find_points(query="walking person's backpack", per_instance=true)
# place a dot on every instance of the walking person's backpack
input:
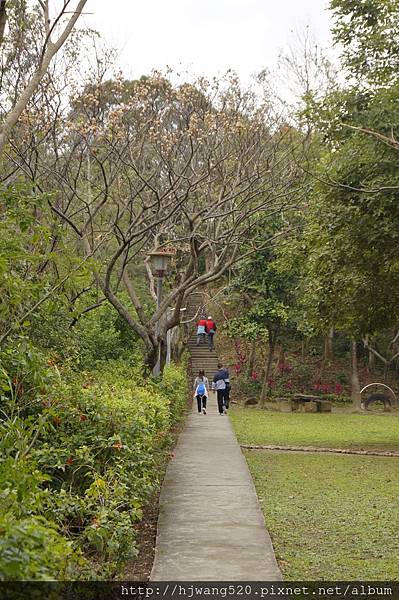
(201, 389)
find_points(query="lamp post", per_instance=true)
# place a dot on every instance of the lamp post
(160, 261)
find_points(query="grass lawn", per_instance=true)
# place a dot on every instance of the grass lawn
(334, 430)
(331, 517)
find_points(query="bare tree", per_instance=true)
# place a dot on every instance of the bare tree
(305, 74)
(47, 49)
(140, 165)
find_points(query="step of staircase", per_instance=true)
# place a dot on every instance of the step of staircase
(200, 356)
(202, 364)
(201, 348)
(209, 373)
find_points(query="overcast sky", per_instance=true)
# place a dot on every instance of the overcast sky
(205, 36)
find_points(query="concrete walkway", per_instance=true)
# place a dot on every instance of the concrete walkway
(210, 524)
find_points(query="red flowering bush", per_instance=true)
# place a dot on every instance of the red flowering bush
(284, 367)
(241, 357)
(338, 389)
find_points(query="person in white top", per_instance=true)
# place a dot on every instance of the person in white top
(201, 390)
(221, 385)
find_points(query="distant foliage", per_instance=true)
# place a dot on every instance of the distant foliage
(368, 33)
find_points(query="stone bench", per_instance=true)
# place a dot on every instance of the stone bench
(304, 403)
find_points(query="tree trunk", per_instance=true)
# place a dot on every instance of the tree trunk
(162, 353)
(305, 347)
(371, 362)
(3, 20)
(328, 345)
(251, 359)
(370, 357)
(387, 367)
(177, 345)
(355, 385)
(281, 357)
(268, 370)
(208, 261)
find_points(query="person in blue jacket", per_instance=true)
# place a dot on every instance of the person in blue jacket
(221, 385)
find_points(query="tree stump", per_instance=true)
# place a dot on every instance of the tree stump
(250, 402)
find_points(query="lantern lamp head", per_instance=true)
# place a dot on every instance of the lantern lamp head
(160, 260)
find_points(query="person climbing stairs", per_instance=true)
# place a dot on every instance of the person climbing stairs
(200, 356)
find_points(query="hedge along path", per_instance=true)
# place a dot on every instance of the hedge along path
(319, 449)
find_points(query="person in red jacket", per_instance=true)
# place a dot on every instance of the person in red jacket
(210, 330)
(201, 330)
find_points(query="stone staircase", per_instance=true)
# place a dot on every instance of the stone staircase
(201, 357)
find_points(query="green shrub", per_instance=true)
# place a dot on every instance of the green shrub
(99, 335)
(247, 387)
(30, 545)
(174, 386)
(303, 374)
(88, 461)
(31, 548)
(342, 377)
(339, 398)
